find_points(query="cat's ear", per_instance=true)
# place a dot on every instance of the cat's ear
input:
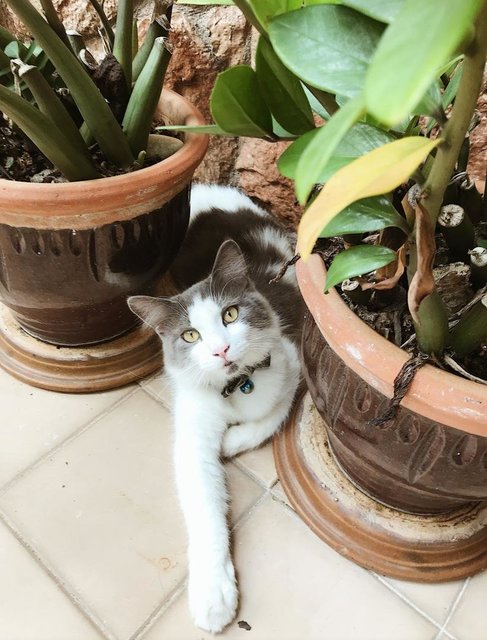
(156, 312)
(229, 267)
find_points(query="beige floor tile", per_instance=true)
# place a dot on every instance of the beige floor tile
(469, 620)
(433, 599)
(279, 494)
(259, 464)
(32, 607)
(103, 513)
(295, 588)
(33, 421)
(159, 388)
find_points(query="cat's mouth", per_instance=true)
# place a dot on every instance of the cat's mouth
(230, 366)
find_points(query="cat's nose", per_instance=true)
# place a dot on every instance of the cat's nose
(222, 351)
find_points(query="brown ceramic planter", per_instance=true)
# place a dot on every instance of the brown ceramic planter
(433, 457)
(71, 254)
(408, 499)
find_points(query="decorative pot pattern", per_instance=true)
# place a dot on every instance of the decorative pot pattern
(69, 286)
(411, 463)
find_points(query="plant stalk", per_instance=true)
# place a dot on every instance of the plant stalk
(91, 104)
(458, 231)
(104, 20)
(75, 166)
(122, 47)
(54, 21)
(432, 329)
(458, 124)
(158, 28)
(140, 110)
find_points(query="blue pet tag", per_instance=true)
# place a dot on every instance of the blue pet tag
(247, 387)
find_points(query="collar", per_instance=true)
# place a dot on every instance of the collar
(243, 377)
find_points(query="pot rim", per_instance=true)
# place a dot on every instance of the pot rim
(436, 394)
(83, 204)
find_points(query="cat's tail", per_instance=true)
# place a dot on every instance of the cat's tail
(205, 197)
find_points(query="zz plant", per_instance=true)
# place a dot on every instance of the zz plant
(395, 83)
(54, 91)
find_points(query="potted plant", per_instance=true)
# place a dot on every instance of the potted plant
(93, 201)
(403, 231)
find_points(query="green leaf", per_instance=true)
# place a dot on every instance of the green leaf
(361, 139)
(451, 89)
(327, 46)
(265, 10)
(369, 214)
(282, 91)
(318, 152)
(357, 261)
(423, 36)
(378, 172)
(430, 103)
(237, 104)
(382, 10)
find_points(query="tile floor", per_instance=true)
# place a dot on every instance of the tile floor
(92, 543)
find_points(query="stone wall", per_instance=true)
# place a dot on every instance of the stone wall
(206, 40)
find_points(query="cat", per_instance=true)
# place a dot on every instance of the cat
(230, 342)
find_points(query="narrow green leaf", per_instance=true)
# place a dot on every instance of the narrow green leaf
(158, 28)
(423, 36)
(54, 20)
(282, 91)
(55, 146)
(5, 37)
(369, 214)
(320, 149)
(450, 92)
(430, 103)
(104, 20)
(238, 106)
(92, 105)
(357, 261)
(327, 46)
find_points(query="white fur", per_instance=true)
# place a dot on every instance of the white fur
(209, 196)
(202, 433)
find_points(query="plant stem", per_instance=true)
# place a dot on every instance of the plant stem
(54, 21)
(471, 330)
(122, 47)
(246, 9)
(91, 104)
(104, 20)
(158, 28)
(74, 165)
(458, 124)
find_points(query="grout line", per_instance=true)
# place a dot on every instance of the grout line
(180, 588)
(154, 396)
(60, 445)
(252, 475)
(161, 609)
(72, 596)
(452, 610)
(406, 600)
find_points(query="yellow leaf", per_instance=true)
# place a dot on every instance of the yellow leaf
(378, 172)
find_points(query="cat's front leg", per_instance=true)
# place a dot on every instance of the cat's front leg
(200, 475)
(250, 435)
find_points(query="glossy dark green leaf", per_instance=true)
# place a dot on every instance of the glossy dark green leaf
(356, 261)
(282, 91)
(327, 46)
(369, 214)
(320, 149)
(430, 103)
(237, 104)
(361, 139)
(423, 37)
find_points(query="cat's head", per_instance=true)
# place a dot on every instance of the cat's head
(214, 330)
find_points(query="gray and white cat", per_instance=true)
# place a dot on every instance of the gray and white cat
(230, 342)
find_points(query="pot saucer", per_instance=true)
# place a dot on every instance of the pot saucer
(99, 367)
(435, 548)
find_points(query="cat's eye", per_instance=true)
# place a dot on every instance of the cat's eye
(190, 335)
(230, 315)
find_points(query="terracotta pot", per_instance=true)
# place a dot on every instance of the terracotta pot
(71, 253)
(432, 457)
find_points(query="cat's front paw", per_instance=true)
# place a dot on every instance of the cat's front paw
(235, 441)
(213, 597)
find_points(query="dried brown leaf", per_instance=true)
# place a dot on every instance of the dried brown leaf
(422, 283)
